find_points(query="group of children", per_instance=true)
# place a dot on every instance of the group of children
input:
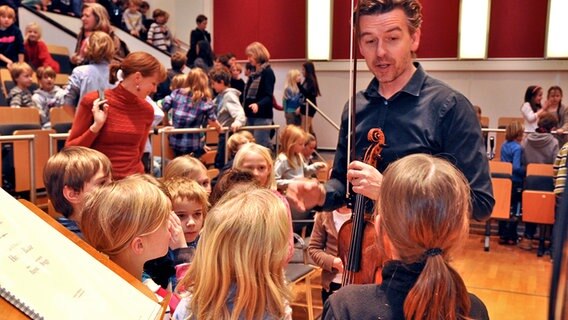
(536, 146)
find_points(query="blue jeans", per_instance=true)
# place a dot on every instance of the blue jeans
(262, 137)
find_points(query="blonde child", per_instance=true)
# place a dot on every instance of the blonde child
(290, 164)
(236, 81)
(190, 106)
(68, 176)
(48, 95)
(190, 205)
(232, 276)
(159, 34)
(178, 81)
(323, 248)
(292, 99)
(133, 18)
(423, 216)
(190, 168)
(20, 95)
(12, 44)
(36, 50)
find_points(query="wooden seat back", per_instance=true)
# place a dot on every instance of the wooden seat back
(22, 156)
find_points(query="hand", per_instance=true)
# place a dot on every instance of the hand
(305, 194)
(177, 238)
(9, 64)
(297, 111)
(320, 165)
(206, 148)
(235, 127)
(337, 264)
(99, 115)
(254, 107)
(365, 179)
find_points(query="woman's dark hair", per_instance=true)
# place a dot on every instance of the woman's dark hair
(311, 74)
(529, 95)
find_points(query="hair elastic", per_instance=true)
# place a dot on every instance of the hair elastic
(433, 252)
(120, 75)
(535, 89)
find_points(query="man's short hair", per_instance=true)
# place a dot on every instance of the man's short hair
(412, 9)
(72, 167)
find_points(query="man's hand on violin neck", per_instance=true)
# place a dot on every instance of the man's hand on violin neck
(365, 179)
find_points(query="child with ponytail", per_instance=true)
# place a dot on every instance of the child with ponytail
(423, 211)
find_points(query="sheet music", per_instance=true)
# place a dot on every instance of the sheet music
(58, 279)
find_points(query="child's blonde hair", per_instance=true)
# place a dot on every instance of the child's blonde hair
(237, 139)
(117, 213)
(7, 11)
(229, 255)
(514, 130)
(185, 166)
(249, 148)
(32, 26)
(178, 81)
(198, 83)
(100, 47)
(291, 136)
(18, 68)
(424, 208)
(180, 188)
(45, 71)
(72, 167)
(291, 82)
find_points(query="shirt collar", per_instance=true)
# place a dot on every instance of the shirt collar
(412, 87)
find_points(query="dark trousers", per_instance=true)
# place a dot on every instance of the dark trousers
(332, 288)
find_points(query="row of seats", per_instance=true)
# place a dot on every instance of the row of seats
(538, 199)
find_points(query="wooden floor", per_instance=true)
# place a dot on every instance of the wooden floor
(513, 283)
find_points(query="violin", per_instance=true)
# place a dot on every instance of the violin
(357, 239)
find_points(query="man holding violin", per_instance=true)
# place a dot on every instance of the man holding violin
(417, 113)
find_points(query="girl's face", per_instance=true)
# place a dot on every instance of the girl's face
(205, 182)
(298, 146)
(554, 97)
(190, 214)
(89, 20)
(32, 35)
(303, 71)
(235, 73)
(256, 164)
(537, 97)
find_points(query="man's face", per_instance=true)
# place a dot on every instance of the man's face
(387, 45)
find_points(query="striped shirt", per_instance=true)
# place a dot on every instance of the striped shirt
(560, 170)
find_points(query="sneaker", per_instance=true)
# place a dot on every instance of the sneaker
(526, 244)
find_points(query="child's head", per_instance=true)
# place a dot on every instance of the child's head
(201, 22)
(310, 146)
(230, 254)
(33, 32)
(237, 140)
(221, 79)
(236, 70)
(293, 139)
(533, 95)
(160, 16)
(70, 174)
(46, 77)
(554, 95)
(188, 167)
(178, 61)
(99, 48)
(178, 81)
(7, 16)
(144, 7)
(514, 131)
(547, 122)
(292, 79)
(228, 180)
(22, 74)
(257, 159)
(198, 83)
(423, 212)
(189, 202)
(127, 220)
(133, 5)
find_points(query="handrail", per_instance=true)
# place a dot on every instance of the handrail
(53, 137)
(526, 131)
(31, 139)
(328, 119)
(169, 130)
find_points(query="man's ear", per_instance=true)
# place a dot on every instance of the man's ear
(137, 245)
(74, 197)
(415, 40)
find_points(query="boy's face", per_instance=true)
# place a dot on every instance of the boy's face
(33, 35)
(202, 25)
(161, 20)
(6, 21)
(47, 83)
(99, 179)
(190, 213)
(218, 86)
(24, 80)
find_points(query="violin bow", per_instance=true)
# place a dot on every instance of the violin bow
(351, 122)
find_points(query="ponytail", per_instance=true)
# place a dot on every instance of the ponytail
(438, 288)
